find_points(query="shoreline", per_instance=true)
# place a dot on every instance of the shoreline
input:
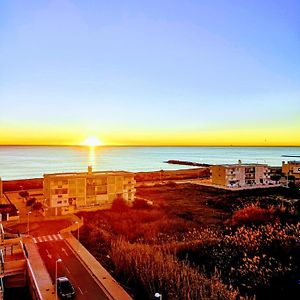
(159, 175)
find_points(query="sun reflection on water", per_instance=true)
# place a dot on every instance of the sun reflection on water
(92, 157)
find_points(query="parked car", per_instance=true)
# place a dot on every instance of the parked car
(64, 288)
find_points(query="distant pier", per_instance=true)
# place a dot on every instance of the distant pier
(187, 163)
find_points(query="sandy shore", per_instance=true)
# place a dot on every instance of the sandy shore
(161, 175)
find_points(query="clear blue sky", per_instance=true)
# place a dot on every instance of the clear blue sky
(150, 72)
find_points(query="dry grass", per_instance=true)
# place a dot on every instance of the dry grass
(162, 249)
(158, 271)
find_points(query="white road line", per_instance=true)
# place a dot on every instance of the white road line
(50, 238)
(44, 238)
(60, 237)
(64, 250)
(55, 237)
(68, 270)
(40, 239)
(34, 240)
(80, 290)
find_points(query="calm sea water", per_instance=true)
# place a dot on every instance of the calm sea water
(18, 162)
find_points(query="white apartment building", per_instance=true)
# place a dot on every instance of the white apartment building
(67, 192)
(240, 175)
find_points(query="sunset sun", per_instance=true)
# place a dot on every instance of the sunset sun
(92, 141)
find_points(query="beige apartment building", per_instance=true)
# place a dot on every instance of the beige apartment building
(240, 175)
(67, 192)
(291, 168)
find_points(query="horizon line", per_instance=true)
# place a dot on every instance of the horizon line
(108, 145)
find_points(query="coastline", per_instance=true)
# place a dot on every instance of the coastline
(160, 175)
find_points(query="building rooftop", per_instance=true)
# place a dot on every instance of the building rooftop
(243, 165)
(67, 174)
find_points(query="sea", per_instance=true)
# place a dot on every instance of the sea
(21, 162)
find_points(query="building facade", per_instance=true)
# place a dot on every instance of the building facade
(1, 190)
(240, 175)
(66, 192)
(291, 168)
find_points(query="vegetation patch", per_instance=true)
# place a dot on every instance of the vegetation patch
(200, 243)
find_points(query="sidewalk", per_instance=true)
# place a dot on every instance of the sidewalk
(108, 284)
(40, 272)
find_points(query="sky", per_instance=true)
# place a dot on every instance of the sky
(150, 72)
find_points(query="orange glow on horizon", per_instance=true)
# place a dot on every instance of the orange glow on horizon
(275, 136)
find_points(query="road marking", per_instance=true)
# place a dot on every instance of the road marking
(80, 290)
(64, 250)
(47, 238)
(68, 270)
(48, 254)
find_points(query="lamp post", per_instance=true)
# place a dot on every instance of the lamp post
(158, 295)
(77, 223)
(28, 221)
(57, 261)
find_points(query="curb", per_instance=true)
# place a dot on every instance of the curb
(116, 292)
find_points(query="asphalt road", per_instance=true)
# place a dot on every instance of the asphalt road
(81, 279)
(51, 250)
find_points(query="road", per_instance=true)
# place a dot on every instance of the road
(52, 246)
(82, 280)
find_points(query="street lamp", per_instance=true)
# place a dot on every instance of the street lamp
(28, 221)
(57, 261)
(77, 223)
(158, 295)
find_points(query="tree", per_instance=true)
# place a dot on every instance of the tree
(37, 205)
(24, 194)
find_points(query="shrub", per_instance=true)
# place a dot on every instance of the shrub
(171, 184)
(30, 201)
(140, 204)
(154, 270)
(252, 215)
(37, 205)
(119, 204)
(253, 258)
(24, 194)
